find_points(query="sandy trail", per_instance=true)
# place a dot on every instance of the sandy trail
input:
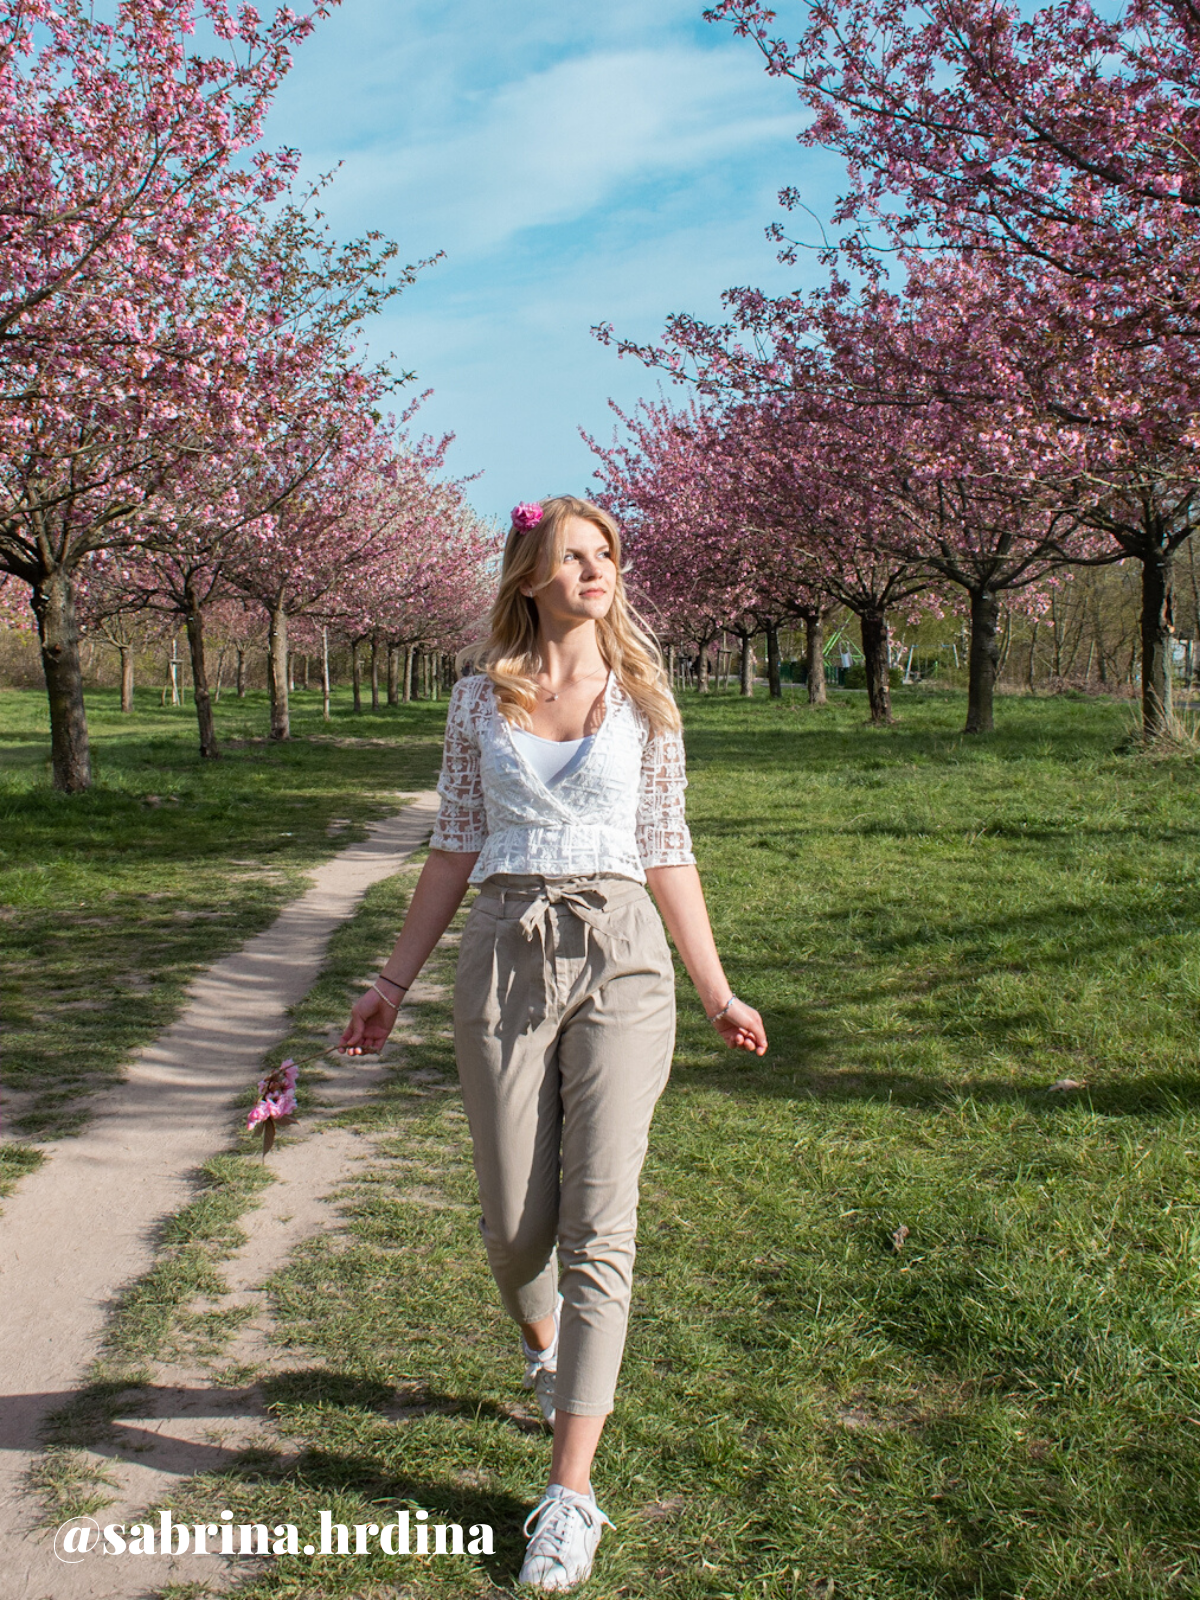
(83, 1226)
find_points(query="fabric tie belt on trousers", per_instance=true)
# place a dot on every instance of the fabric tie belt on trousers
(577, 895)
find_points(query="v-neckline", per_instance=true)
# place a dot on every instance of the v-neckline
(551, 793)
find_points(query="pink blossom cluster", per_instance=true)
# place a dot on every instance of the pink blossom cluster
(277, 1095)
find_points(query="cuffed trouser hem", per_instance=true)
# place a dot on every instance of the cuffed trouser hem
(580, 1408)
(533, 1316)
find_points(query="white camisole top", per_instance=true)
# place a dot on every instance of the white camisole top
(551, 759)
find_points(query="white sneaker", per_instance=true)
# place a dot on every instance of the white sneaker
(541, 1368)
(563, 1542)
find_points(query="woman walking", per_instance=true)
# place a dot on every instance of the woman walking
(562, 798)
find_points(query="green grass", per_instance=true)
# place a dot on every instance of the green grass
(111, 900)
(1006, 1407)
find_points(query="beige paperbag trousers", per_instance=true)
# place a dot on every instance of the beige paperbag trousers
(564, 1026)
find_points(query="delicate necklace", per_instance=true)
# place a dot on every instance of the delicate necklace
(571, 682)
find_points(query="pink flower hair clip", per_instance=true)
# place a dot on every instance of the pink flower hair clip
(525, 516)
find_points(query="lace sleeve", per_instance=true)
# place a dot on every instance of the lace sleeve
(663, 839)
(461, 823)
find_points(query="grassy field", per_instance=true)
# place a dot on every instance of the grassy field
(110, 901)
(1002, 1403)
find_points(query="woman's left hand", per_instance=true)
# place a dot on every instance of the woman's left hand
(742, 1028)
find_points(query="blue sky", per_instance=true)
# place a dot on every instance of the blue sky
(578, 162)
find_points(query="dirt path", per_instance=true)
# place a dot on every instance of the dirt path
(82, 1226)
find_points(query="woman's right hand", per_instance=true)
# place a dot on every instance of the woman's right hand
(371, 1020)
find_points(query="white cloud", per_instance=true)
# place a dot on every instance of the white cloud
(550, 148)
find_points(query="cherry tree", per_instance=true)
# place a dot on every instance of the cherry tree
(703, 557)
(241, 626)
(306, 393)
(1061, 150)
(124, 183)
(115, 610)
(429, 588)
(913, 428)
(337, 535)
(1065, 136)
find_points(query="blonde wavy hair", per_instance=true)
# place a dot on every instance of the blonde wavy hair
(510, 654)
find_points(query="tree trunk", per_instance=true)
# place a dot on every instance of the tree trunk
(393, 686)
(814, 651)
(416, 672)
(325, 673)
(220, 674)
(1098, 633)
(875, 659)
(1158, 628)
(746, 667)
(1057, 636)
(982, 662)
(1006, 645)
(702, 668)
(277, 673)
(774, 672)
(58, 632)
(406, 676)
(374, 672)
(356, 675)
(200, 695)
(126, 676)
(241, 672)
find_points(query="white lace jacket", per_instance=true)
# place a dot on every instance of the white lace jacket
(620, 810)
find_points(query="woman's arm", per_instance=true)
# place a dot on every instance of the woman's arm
(680, 898)
(437, 896)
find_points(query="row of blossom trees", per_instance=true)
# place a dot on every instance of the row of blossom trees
(183, 414)
(1002, 375)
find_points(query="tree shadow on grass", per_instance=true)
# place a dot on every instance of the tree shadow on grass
(763, 747)
(1147, 1095)
(796, 1068)
(796, 839)
(186, 1446)
(363, 1471)
(384, 1494)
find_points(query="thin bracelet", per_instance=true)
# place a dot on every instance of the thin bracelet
(403, 987)
(394, 1004)
(717, 1015)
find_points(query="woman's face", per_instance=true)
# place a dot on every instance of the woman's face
(584, 585)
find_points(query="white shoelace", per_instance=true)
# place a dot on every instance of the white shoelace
(555, 1525)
